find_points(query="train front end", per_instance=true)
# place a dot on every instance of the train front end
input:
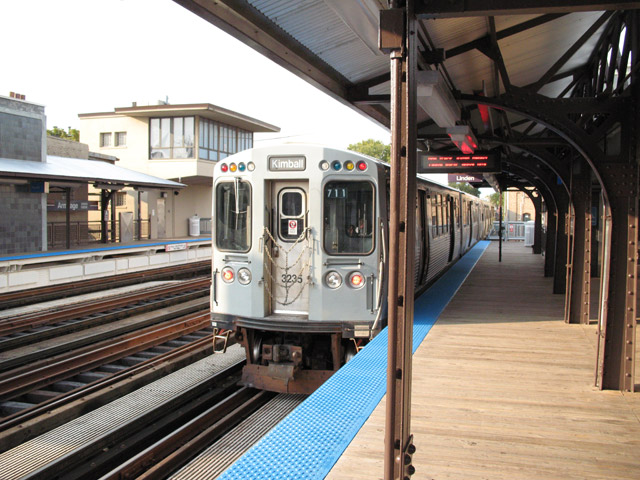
(298, 260)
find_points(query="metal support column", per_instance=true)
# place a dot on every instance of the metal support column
(550, 244)
(619, 326)
(67, 192)
(500, 228)
(139, 227)
(562, 252)
(104, 209)
(113, 216)
(580, 284)
(537, 232)
(398, 37)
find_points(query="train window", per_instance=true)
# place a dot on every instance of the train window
(434, 216)
(292, 213)
(348, 218)
(233, 216)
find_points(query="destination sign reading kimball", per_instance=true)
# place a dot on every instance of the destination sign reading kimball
(287, 164)
(480, 162)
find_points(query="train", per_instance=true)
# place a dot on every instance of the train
(300, 242)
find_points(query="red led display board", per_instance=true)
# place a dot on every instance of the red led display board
(480, 162)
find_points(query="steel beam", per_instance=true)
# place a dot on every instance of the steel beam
(398, 439)
(578, 294)
(483, 8)
(617, 328)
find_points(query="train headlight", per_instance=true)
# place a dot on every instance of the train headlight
(244, 276)
(324, 165)
(228, 275)
(251, 166)
(356, 279)
(333, 279)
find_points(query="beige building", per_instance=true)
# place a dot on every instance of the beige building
(175, 142)
(518, 207)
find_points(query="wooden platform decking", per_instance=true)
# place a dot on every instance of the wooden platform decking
(503, 389)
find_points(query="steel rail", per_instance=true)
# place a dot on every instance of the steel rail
(40, 294)
(95, 335)
(28, 378)
(26, 424)
(177, 448)
(98, 455)
(35, 319)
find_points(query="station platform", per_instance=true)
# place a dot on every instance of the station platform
(502, 389)
(39, 269)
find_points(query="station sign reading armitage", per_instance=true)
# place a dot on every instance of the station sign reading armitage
(287, 164)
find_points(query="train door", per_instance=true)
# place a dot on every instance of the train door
(453, 226)
(289, 251)
(471, 232)
(425, 209)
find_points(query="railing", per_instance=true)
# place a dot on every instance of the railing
(510, 231)
(205, 226)
(87, 233)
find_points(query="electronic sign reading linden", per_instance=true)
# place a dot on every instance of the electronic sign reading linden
(480, 162)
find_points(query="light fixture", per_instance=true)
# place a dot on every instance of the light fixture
(463, 138)
(362, 17)
(435, 98)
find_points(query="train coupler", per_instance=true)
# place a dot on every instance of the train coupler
(223, 336)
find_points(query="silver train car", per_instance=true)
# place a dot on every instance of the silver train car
(300, 239)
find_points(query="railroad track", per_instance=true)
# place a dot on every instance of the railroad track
(54, 292)
(56, 410)
(85, 365)
(95, 443)
(36, 326)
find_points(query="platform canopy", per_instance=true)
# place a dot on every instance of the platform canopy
(537, 48)
(104, 175)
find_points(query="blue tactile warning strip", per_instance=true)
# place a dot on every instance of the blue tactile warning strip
(308, 442)
(58, 253)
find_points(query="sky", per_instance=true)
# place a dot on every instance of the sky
(87, 56)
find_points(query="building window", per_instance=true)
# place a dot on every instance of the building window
(171, 137)
(217, 140)
(120, 139)
(121, 199)
(105, 139)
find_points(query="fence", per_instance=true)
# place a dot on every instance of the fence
(510, 231)
(87, 233)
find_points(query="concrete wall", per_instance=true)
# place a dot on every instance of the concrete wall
(22, 213)
(59, 147)
(22, 130)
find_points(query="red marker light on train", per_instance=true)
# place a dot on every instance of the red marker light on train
(356, 279)
(362, 166)
(224, 167)
(228, 274)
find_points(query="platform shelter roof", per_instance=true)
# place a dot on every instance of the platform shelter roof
(74, 170)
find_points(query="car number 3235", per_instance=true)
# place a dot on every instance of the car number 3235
(287, 278)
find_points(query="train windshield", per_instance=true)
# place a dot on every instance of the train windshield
(348, 217)
(233, 216)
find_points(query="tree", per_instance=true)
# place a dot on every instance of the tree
(465, 187)
(73, 133)
(373, 148)
(494, 198)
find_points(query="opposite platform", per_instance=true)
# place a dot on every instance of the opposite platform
(503, 389)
